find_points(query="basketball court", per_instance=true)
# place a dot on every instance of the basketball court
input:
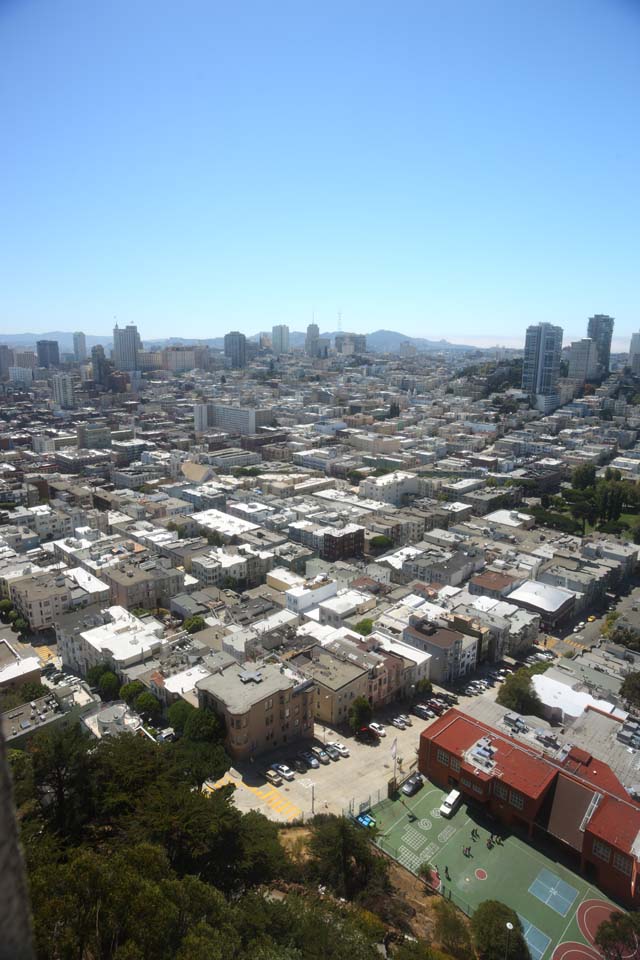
(559, 910)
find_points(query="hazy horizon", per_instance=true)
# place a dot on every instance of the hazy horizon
(618, 344)
(450, 170)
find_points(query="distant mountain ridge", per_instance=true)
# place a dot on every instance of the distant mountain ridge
(380, 341)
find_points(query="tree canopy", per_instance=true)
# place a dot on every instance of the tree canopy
(492, 938)
(517, 693)
(360, 713)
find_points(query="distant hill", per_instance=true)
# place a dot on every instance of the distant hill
(380, 341)
(64, 338)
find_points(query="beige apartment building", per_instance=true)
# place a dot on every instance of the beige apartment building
(338, 682)
(149, 583)
(263, 705)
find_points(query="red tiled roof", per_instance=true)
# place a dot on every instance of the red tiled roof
(523, 768)
(617, 822)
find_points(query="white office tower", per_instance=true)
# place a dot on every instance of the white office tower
(62, 385)
(280, 339)
(80, 346)
(541, 366)
(312, 340)
(583, 359)
(126, 346)
(201, 417)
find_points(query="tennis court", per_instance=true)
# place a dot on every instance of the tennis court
(553, 891)
(537, 941)
(473, 859)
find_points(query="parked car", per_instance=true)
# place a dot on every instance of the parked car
(450, 803)
(299, 765)
(309, 759)
(400, 724)
(422, 711)
(340, 747)
(331, 752)
(320, 755)
(406, 719)
(367, 735)
(274, 778)
(378, 728)
(285, 772)
(366, 820)
(413, 784)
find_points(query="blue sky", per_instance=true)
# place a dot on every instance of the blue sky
(458, 168)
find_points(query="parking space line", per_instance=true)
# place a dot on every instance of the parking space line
(268, 794)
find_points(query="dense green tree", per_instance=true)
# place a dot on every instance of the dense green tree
(203, 725)
(5, 608)
(583, 511)
(424, 688)
(25, 693)
(94, 673)
(109, 686)
(619, 936)
(20, 625)
(129, 692)
(630, 689)
(584, 476)
(61, 770)
(178, 714)
(148, 706)
(380, 543)
(364, 627)
(492, 939)
(360, 713)
(341, 856)
(199, 760)
(194, 624)
(517, 693)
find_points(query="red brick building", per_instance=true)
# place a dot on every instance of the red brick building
(575, 799)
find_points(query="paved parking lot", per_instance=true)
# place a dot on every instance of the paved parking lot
(344, 784)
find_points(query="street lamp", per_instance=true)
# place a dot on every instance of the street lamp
(509, 927)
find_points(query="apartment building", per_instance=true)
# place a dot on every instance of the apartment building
(453, 655)
(263, 705)
(148, 583)
(337, 681)
(43, 597)
(113, 636)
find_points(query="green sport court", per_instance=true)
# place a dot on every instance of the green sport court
(559, 911)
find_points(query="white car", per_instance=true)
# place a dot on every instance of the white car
(378, 728)
(283, 770)
(399, 723)
(405, 719)
(340, 747)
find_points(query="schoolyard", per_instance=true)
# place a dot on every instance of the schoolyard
(559, 910)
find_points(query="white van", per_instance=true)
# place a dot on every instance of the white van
(450, 804)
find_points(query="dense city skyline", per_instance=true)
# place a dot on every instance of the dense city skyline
(461, 172)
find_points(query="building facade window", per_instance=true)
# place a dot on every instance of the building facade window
(601, 850)
(455, 764)
(442, 757)
(500, 791)
(465, 782)
(622, 863)
(516, 800)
